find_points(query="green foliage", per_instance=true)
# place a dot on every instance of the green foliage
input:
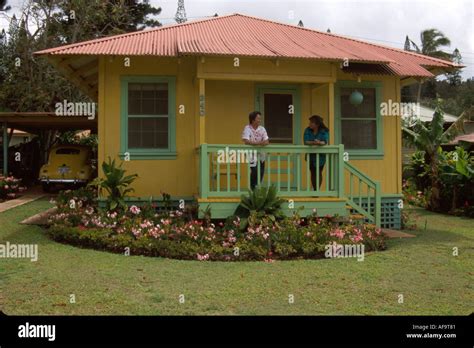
(261, 202)
(428, 138)
(116, 185)
(85, 195)
(30, 83)
(172, 237)
(419, 170)
(456, 181)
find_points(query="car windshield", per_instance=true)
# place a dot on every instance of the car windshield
(67, 151)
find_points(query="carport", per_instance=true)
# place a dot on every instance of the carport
(37, 122)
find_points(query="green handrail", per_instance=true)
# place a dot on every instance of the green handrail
(286, 167)
(355, 200)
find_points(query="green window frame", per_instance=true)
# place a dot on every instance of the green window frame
(147, 153)
(360, 153)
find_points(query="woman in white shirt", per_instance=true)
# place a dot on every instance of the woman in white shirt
(254, 134)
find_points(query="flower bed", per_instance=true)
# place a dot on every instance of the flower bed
(175, 234)
(10, 187)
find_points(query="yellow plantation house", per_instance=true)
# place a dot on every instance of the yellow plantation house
(171, 99)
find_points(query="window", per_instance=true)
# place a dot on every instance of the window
(148, 117)
(359, 127)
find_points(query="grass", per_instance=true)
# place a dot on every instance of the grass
(422, 269)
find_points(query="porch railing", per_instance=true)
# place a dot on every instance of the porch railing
(225, 170)
(363, 194)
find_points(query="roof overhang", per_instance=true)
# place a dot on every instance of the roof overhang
(82, 70)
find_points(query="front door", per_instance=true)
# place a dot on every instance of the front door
(281, 118)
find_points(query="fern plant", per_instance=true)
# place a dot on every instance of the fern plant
(115, 183)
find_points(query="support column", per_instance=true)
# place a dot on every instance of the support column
(202, 111)
(331, 116)
(5, 149)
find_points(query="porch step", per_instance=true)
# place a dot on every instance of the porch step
(357, 217)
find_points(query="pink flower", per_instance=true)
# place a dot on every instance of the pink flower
(204, 257)
(135, 210)
(338, 233)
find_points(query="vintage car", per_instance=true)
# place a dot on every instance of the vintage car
(68, 165)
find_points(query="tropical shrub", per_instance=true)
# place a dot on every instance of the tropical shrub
(456, 182)
(262, 202)
(428, 138)
(115, 184)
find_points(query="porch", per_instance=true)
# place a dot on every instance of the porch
(224, 175)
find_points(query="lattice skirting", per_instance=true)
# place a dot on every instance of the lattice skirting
(391, 213)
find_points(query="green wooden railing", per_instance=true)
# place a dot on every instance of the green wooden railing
(360, 187)
(225, 170)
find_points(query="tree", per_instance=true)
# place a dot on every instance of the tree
(432, 40)
(30, 83)
(79, 20)
(454, 77)
(180, 16)
(428, 138)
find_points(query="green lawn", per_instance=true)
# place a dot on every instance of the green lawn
(423, 269)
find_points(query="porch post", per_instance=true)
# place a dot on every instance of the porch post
(331, 112)
(202, 111)
(5, 149)
(340, 172)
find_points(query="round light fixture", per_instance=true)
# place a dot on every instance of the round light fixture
(356, 98)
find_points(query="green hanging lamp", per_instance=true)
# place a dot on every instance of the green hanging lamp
(356, 98)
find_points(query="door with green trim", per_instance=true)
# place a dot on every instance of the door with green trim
(280, 108)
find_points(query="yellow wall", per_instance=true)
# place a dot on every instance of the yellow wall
(228, 103)
(177, 177)
(388, 169)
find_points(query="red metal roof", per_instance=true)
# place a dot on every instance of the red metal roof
(242, 35)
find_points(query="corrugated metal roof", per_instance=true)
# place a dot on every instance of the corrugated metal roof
(241, 35)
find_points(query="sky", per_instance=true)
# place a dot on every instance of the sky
(385, 22)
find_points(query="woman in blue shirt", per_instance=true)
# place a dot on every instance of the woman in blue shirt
(316, 134)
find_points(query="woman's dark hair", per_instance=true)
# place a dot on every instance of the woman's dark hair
(253, 115)
(318, 120)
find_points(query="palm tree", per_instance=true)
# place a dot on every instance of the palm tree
(4, 7)
(428, 138)
(431, 42)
